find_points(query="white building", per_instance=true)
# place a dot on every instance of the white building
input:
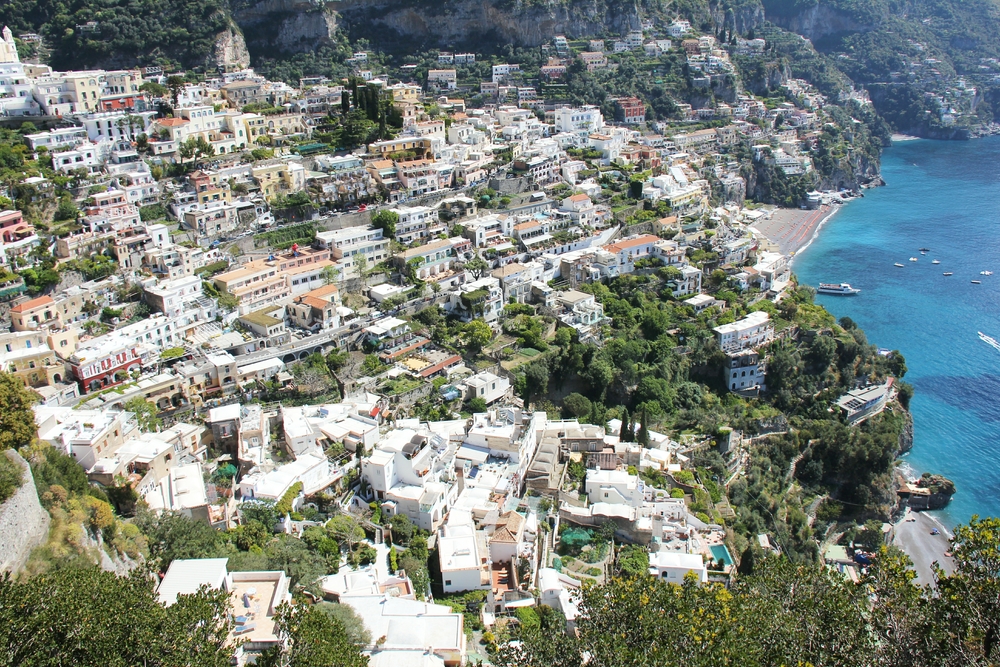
(487, 386)
(408, 474)
(614, 487)
(673, 566)
(464, 557)
(751, 332)
(582, 120)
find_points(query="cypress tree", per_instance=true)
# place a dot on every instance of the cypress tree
(642, 433)
(623, 432)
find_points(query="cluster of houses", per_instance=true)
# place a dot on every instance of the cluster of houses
(214, 327)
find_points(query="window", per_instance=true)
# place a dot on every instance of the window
(447, 582)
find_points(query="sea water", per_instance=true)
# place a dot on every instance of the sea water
(944, 196)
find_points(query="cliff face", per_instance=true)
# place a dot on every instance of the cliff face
(742, 19)
(819, 21)
(286, 26)
(230, 51)
(302, 25)
(24, 523)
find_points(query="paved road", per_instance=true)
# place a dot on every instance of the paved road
(914, 537)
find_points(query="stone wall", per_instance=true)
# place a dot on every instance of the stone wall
(24, 523)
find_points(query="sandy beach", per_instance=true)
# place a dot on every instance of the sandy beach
(913, 536)
(794, 229)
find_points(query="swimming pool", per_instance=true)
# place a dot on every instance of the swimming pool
(721, 554)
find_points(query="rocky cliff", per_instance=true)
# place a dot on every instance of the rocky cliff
(24, 523)
(285, 26)
(823, 19)
(303, 25)
(231, 51)
(742, 19)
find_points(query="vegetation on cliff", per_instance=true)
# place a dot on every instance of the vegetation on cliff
(122, 33)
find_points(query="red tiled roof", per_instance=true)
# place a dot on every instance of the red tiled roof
(32, 304)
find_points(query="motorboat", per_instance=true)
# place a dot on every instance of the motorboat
(989, 340)
(898, 264)
(948, 273)
(841, 289)
(977, 282)
(986, 273)
(913, 259)
(936, 261)
(925, 250)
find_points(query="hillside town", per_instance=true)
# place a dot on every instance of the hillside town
(221, 309)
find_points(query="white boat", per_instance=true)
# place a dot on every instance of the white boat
(936, 261)
(989, 340)
(842, 289)
(977, 282)
(948, 273)
(898, 264)
(913, 259)
(986, 273)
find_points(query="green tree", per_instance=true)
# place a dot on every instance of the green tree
(66, 210)
(329, 274)
(536, 379)
(145, 413)
(478, 334)
(261, 511)
(626, 433)
(85, 616)
(172, 535)
(477, 267)
(642, 434)
(314, 638)
(974, 590)
(386, 220)
(577, 405)
(17, 419)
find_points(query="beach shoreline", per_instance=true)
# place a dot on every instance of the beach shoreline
(903, 137)
(834, 209)
(794, 230)
(913, 535)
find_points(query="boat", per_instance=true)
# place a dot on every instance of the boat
(925, 250)
(948, 273)
(989, 340)
(986, 273)
(977, 282)
(913, 259)
(898, 264)
(936, 261)
(842, 289)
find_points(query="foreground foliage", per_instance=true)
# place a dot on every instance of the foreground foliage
(786, 614)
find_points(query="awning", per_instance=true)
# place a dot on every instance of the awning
(526, 602)
(474, 454)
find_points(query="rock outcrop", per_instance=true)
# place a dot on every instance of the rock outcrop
(819, 21)
(24, 523)
(231, 51)
(271, 27)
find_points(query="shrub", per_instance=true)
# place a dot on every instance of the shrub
(284, 506)
(10, 478)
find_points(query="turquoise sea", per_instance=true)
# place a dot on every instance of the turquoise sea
(944, 196)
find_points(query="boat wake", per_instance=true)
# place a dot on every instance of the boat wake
(989, 340)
